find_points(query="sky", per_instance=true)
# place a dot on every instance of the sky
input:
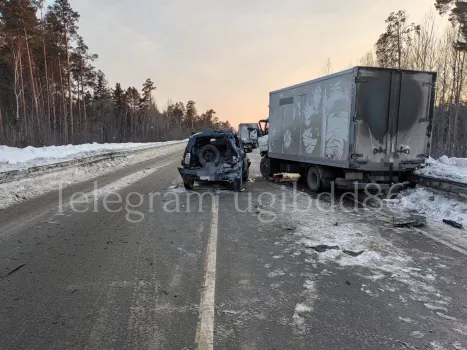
(228, 55)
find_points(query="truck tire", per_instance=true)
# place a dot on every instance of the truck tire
(268, 167)
(208, 154)
(265, 167)
(313, 179)
(189, 184)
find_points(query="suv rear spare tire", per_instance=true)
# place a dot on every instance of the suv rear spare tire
(209, 154)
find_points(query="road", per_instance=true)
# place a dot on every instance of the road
(147, 265)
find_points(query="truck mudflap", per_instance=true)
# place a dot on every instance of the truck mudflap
(219, 173)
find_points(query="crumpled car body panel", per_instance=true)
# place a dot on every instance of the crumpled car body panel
(226, 170)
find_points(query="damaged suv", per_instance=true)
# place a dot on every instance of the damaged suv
(215, 156)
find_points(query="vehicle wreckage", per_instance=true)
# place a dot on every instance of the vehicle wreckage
(215, 156)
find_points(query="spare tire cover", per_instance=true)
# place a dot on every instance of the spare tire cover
(209, 154)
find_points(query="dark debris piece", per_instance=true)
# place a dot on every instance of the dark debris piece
(453, 224)
(322, 248)
(12, 271)
(354, 254)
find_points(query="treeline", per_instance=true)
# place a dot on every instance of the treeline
(51, 92)
(423, 46)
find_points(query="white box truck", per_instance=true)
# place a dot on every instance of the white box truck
(363, 125)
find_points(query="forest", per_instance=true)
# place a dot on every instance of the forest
(51, 93)
(424, 46)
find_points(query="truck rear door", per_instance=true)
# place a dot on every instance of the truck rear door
(392, 117)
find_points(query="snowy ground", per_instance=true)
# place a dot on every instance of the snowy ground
(12, 158)
(31, 187)
(435, 205)
(454, 169)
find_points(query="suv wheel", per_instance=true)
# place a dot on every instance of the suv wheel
(189, 184)
(246, 174)
(237, 185)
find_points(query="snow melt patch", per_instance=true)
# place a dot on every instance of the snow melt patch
(447, 168)
(380, 261)
(302, 308)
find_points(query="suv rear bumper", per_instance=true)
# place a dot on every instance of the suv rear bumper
(219, 174)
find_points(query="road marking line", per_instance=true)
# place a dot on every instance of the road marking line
(205, 331)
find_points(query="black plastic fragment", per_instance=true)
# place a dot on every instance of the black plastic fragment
(322, 248)
(354, 254)
(453, 224)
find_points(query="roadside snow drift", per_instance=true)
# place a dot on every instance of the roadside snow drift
(38, 184)
(435, 206)
(12, 158)
(454, 169)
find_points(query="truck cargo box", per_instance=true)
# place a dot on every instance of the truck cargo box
(366, 118)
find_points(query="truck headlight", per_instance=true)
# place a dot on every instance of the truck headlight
(187, 158)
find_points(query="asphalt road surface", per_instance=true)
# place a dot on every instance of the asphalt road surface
(148, 265)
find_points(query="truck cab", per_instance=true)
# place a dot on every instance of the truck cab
(263, 136)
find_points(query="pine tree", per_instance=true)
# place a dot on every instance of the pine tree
(391, 47)
(66, 24)
(191, 114)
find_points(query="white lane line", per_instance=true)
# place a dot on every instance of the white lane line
(114, 186)
(205, 330)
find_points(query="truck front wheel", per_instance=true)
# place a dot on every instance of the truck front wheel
(265, 167)
(268, 166)
(313, 179)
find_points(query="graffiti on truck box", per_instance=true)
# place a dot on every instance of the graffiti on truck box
(316, 120)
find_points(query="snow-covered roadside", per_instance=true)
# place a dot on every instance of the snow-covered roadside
(17, 191)
(12, 158)
(434, 205)
(454, 169)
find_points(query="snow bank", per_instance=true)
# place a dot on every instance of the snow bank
(24, 189)
(435, 206)
(448, 168)
(12, 158)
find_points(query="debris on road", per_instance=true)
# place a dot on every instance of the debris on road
(285, 177)
(352, 253)
(287, 227)
(453, 224)
(414, 220)
(323, 247)
(12, 271)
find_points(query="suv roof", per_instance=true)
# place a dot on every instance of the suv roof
(214, 133)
